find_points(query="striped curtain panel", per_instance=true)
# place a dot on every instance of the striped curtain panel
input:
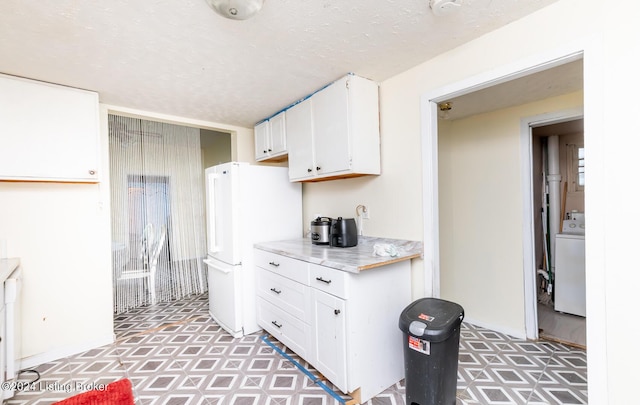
(157, 212)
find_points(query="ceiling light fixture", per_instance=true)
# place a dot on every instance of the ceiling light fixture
(236, 9)
(443, 7)
(445, 106)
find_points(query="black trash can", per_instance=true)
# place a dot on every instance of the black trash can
(431, 332)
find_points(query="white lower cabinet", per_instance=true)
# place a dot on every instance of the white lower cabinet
(344, 324)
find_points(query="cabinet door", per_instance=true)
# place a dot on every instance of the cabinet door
(278, 134)
(330, 111)
(329, 337)
(299, 129)
(261, 136)
(48, 132)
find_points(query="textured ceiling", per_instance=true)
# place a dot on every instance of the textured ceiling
(179, 57)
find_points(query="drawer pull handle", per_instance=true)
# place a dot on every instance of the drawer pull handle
(274, 264)
(336, 311)
(323, 280)
(276, 324)
(276, 291)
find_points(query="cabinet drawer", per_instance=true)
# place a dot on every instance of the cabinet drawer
(287, 329)
(329, 280)
(284, 293)
(296, 270)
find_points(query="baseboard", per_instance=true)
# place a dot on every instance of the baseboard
(518, 334)
(62, 352)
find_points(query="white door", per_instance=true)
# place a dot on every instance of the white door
(225, 295)
(223, 238)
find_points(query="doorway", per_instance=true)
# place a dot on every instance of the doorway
(558, 180)
(481, 177)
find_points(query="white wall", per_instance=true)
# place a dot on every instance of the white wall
(611, 274)
(481, 200)
(60, 232)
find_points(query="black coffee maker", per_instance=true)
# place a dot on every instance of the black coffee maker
(344, 232)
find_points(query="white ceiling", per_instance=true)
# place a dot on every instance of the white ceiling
(179, 57)
(552, 82)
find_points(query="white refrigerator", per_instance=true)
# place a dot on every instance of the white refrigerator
(245, 204)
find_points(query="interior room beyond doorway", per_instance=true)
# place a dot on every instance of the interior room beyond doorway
(558, 167)
(481, 194)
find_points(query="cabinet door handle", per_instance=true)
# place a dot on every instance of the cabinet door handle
(274, 264)
(276, 291)
(318, 168)
(276, 324)
(92, 172)
(309, 170)
(264, 151)
(323, 280)
(269, 150)
(336, 311)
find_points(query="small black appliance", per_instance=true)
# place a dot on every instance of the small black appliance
(344, 232)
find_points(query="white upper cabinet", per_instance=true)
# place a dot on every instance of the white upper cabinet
(335, 132)
(332, 146)
(270, 138)
(48, 132)
(300, 139)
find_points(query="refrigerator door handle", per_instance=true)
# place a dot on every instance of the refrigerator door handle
(214, 266)
(211, 189)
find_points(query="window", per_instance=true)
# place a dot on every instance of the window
(575, 167)
(148, 204)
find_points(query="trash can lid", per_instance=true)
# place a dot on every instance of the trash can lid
(432, 319)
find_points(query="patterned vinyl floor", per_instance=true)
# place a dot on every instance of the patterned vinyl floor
(175, 354)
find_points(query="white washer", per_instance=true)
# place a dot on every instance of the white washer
(570, 286)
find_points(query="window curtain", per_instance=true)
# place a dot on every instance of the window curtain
(157, 212)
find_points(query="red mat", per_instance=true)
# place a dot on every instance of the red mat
(116, 393)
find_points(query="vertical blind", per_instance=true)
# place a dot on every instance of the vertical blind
(157, 212)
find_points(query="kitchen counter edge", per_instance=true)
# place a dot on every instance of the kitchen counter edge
(354, 259)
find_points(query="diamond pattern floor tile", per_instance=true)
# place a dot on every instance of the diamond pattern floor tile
(174, 354)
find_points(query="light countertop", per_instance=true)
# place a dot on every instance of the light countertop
(7, 266)
(352, 259)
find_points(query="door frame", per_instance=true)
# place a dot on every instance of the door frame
(527, 124)
(590, 49)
